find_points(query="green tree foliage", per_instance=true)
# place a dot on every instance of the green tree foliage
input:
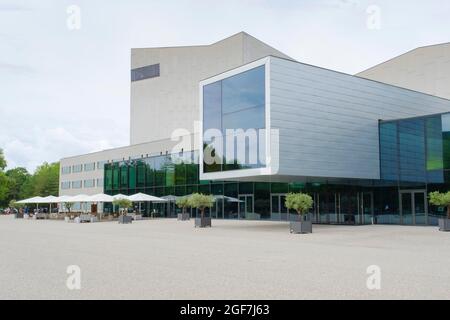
(300, 202)
(183, 203)
(123, 204)
(68, 205)
(18, 183)
(17, 178)
(201, 202)
(46, 179)
(2, 161)
(441, 199)
(3, 180)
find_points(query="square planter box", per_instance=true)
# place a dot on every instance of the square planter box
(202, 222)
(183, 216)
(444, 224)
(125, 219)
(300, 226)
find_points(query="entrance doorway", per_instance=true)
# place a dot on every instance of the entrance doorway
(413, 207)
(246, 207)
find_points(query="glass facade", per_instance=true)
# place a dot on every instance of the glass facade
(237, 102)
(414, 160)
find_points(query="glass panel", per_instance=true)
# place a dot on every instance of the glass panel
(116, 174)
(262, 201)
(283, 209)
(275, 214)
(419, 208)
(132, 176)
(244, 90)
(406, 208)
(212, 106)
(123, 176)
(412, 150)
(367, 208)
(389, 151)
(140, 175)
(348, 208)
(242, 207)
(237, 102)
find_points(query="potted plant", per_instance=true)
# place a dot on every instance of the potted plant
(123, 205)
(18, 207)
(68, 206)
(201, 202)
(183, 203)
(442, 199)
(301, 203)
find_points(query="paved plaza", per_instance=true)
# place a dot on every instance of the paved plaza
(169, 259)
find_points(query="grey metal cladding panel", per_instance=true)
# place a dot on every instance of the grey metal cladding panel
(328, 121)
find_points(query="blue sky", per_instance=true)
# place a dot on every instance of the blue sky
(66, 92)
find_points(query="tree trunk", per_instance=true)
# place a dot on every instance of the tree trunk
(202, 212)
(448, 211)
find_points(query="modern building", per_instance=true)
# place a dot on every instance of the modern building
(365, 150)
(425, 69)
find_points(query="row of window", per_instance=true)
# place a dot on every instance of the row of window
(83, 167)
(78, 184)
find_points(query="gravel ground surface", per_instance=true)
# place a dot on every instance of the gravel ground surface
(168, 259)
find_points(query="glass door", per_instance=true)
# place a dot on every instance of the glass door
(413, 207)
(420, 211)
(245, 206)
(366, 212)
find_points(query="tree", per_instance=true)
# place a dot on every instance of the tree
(68, 205)
(441, 199)
(45, 180)
(300, 202)
(15, 205)
(123, 204)
(17, 178)
(2, 161)
(3, 180)
(201, 202)
(183, 203)
(3, 188)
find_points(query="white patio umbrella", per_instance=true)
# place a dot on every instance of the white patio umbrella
(101, 198)
(81, 198)
(142, 197)
(117, 197)
(49, 199)
(145, 198)
(170, 198)
(33, 200)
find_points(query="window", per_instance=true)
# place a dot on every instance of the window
(237, 102)
(89, 166)
(66, 170)
(100, 183)
(90, 183)
(77, 184)
(77, 168)
(65, 185)
(146, 72)
(101, 165)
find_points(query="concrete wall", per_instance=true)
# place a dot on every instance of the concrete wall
(425, 69)
(161, 105)
(328, 121)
